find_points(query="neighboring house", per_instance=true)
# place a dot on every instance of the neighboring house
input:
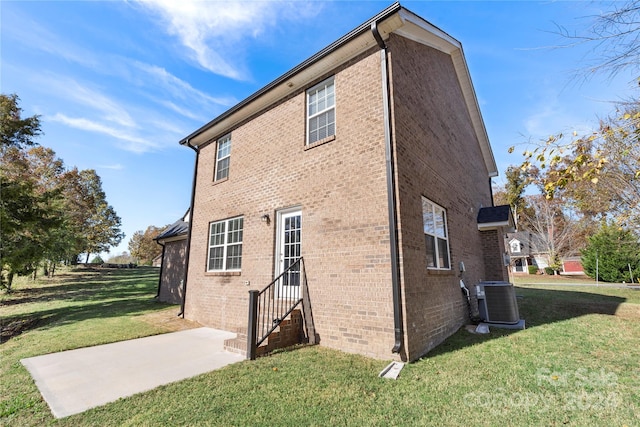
(172, 268)
(157, 260)
(371, 161)
(572, 266)
(520, 251)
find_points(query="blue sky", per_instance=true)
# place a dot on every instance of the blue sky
(119, 83)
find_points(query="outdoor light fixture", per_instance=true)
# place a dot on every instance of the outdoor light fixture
(265, 218)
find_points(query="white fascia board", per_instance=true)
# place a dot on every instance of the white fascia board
(417, 29)
(492, 225)
(173, 239)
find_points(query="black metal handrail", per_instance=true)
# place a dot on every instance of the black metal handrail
(270, 306)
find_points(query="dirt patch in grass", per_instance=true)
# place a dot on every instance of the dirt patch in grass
(169, 320)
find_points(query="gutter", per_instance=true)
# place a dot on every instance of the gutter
(391, 194)
(161, 268)
(193, 199)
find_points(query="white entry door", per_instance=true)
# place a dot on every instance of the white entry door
(289, 251)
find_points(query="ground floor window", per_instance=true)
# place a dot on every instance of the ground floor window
(434, 219)
(225, 245)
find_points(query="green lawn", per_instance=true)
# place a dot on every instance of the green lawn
(576, 364)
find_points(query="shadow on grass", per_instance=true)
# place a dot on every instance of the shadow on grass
(85, 286)
(538, 307)
(75, 298)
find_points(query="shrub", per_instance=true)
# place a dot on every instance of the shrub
(533, 269)
(549, 270)
(614, 252)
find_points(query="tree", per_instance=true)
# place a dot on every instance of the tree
(97, 260)
(600, 172)
(30, 209)
(27, 207)
(14, 130)
(95, 223)
(614, 252)
(142, 245)
(555, 231)
(614, 37)
(513, 194)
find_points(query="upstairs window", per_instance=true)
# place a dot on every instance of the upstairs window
(223, 155)
(321, 111)
(515, 246)
(225, 245)
(434, 219)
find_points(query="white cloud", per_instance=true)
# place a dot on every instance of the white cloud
(134, 144)
(213, 31)
(117, 167)
(111, 110)
(179, 88)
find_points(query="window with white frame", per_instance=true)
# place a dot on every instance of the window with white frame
(515, 246)
(434, 219)
(321, 111)
(223, 155)
(225, 245)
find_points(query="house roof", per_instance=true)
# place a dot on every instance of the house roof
(394, 19)
(492, 217)
(180, 228)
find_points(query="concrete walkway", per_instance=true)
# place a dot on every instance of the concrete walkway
(74, 381)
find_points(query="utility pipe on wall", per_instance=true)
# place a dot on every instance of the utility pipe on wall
(193, 198)
(391, 195)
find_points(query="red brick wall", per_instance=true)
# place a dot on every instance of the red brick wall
(172, 274)
(341, 189)
(437, 156)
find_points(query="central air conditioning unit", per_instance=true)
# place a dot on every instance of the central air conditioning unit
(497, 303)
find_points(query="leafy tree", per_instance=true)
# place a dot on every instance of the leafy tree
(30, 212)
(47, 214)
(143, 247)
(599, 172)
(28, 206)
(94, 222)
(613, 250)
(16, 131)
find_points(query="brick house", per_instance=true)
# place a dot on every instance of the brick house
(371, 161)
(173, 240)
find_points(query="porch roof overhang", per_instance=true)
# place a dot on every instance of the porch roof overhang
(395, 19)
(495, 217)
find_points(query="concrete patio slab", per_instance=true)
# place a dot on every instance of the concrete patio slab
(74, 381)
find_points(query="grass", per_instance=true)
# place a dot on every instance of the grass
(576, 364)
